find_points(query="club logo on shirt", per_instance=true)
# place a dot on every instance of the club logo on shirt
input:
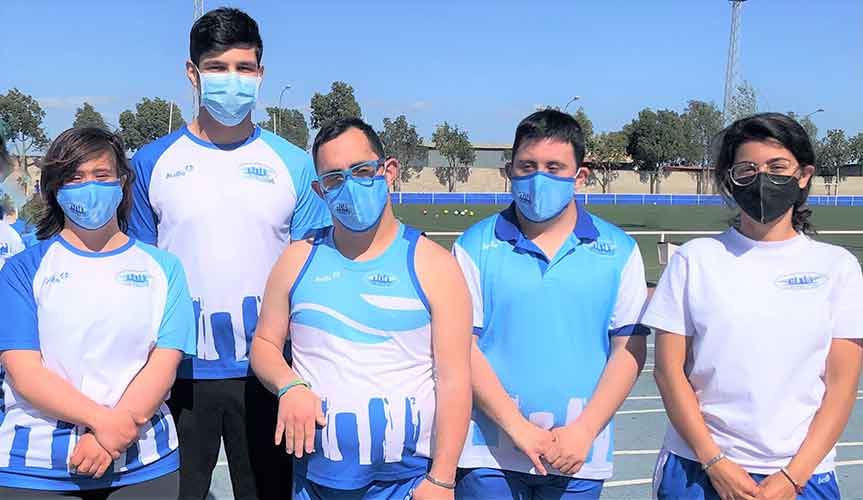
(327, 277)
(824, 478)
(4, 249)
(258, 172)
(55, 279)
(383, 280)
(800, 281)
(138, 279)
(182, 172)
(604, 248)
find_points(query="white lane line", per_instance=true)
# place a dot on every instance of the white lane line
(642, 398)
(628, 482)
(647, 370)
(636, 452)
(848, 462)
(650, 345)
(636, 412)
(851, 443)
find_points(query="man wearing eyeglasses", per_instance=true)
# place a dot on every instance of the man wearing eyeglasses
(226, 197)
(379, 320)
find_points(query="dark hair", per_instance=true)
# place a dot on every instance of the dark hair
(767, 127)
(4, 155)
(223, 29)
(339, 126)
(68, 151)
(551, 124)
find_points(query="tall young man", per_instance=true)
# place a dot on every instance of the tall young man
(557, 297)
(226, 197)
(379, 322)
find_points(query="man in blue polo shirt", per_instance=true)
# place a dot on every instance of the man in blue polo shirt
(557, 295)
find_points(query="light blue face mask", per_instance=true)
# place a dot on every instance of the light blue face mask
(229, 97)
(90, 205)
(359, 203)
(541, 196)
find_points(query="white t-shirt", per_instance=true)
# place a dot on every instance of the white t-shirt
(762, 316)
(227, 211)
(10, 243)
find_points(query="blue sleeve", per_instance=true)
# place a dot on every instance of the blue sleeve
(142, 219)
(20, 326)
(311, 212)
(177, 328)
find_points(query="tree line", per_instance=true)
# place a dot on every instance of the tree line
(651, 144)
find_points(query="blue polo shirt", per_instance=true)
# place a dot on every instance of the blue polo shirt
(545, 325)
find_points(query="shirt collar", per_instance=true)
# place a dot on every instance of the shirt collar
(506, 228)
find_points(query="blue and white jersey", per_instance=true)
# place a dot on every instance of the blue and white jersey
(95, 318)
(545, 324)
(10, 243)
(361, 335)
(227, 212)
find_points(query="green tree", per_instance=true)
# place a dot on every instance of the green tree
(338, 103)
(455, 147)
(32, 210)
(23, 117)
(856, 147)
(609, 151)
(402, 141)
(702, 122)
(833, 152)
(5, 163)
(6, 204)
(148, 122)
(743, 103)
(807, 124)
(87, 116)
(654, 141)
(586, 128)
(289, 124)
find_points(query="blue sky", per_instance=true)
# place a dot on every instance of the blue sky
(482, 65)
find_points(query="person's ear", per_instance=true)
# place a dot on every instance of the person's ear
(193, 75)
(806, 175)
(392, 168)
(316, 187)
(582, 175)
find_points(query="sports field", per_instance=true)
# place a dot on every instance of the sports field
(641, 421)
(443, 218)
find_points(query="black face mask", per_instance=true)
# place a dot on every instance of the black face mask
(764, 200)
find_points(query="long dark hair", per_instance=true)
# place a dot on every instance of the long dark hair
(767, 127)
(68, 151)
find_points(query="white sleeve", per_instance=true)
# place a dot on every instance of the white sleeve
(631, 298)
(474, 283)
(845, 308)
(668, 309)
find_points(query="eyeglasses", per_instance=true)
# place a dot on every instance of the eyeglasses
(364, 172)
(779, 172)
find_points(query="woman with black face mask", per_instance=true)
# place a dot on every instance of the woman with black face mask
(758, 352)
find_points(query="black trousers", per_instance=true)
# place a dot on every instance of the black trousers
(162, 488)
(243, 413)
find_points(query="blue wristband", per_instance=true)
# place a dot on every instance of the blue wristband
(290, 386)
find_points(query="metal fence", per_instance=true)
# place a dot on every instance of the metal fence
(601, 199)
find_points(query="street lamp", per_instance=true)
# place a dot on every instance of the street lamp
(819, 110)
(279, 110)
(570, 102)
